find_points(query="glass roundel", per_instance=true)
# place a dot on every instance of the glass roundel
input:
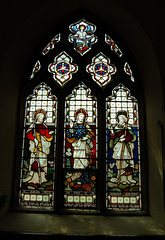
(62, 68)
(101, 68)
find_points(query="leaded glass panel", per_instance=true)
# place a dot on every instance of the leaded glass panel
(101, 69)
(113, 46)
(62, 68)
(51, 44)
(128, 71)
(123, 170)
(82, 36)
(38, 149)
(80, 148)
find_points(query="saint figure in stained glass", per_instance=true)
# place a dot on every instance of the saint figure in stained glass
(123, 151)
(39, 145)
(122, 140)
(80, 136)
(80, 148)
(38, 149)
(82, 36)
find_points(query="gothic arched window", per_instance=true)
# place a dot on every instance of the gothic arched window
(82, 124)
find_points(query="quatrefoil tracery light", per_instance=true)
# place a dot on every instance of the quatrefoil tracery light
(62, 68)
(101, 69)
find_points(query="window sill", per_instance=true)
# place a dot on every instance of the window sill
(78, 225)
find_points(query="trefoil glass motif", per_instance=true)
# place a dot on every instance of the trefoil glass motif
(82, 36)
(101, 69)
(50, 45)
(80, 149)
(113, 45)
(62, 68)
(38, 149)
(128, 71)
(36, 68)
(123, 171)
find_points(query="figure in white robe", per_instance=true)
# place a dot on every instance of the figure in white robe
(80, 136)
(39, 145)
(122, 140)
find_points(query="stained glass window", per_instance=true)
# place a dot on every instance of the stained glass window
(38, 149)
(80, 148)
(123, 170)
(95, 141)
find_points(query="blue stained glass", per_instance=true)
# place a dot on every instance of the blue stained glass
(101, 69)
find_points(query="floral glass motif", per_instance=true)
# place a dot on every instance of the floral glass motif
(82, 36)
(80, 148)
(128, 71)
(123, 171)
(36, 68)
(50, 45)
(62, 68)
(113, 45)
(101, 69)
(38, 149)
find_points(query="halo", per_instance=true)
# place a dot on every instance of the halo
(82, 25)
(81, 110)
(39, 111)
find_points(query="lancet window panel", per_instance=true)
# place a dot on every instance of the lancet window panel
(123, 164)
(80, 159)
(38, 149)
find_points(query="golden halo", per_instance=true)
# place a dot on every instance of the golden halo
(40, 111)
(81, 110)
